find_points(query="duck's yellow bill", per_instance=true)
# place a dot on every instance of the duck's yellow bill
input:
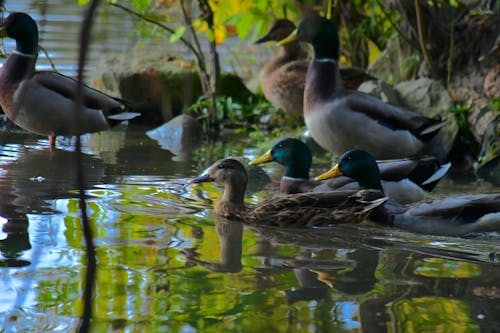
(267, 157)
(3, 32)
(332, 173)
(293, 37)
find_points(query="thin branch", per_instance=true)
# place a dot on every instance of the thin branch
(87, 228)
(48, 57)
(188, 44)
(394, 25)
(421, 39)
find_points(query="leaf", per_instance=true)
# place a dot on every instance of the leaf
(83, 2)
(179, 32)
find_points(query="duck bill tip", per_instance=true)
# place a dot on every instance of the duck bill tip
(201, 179)
(267, 157)
(332, 173)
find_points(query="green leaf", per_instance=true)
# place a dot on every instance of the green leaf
(83, 2)
(179, 32)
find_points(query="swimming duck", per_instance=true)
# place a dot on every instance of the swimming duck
(294, 210)
(283, 78)
(454, 215)
(404, 180)
(42, 102)
(340, 120)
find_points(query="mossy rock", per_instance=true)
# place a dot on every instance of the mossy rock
(157, 86)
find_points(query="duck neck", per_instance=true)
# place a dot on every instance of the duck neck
(291, 52)
(322, 81)
(28, 46)
(298, 169)
(370, 181)
(234, 194)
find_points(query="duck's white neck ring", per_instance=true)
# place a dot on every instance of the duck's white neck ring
(24, 54)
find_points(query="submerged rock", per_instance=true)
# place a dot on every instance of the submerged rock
(180, 135)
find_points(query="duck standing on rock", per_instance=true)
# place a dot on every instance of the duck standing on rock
(295, 210)
(453, 215)
(404, 180)
(283, 78)
(43, 102)
(339, 120)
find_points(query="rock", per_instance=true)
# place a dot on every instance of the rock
(382, 90)
(398, 62)
(180, 135)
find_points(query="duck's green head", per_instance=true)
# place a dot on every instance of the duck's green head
(293, 154)
(23, 29)
(321, 33)
(279, 29)
(358, 165)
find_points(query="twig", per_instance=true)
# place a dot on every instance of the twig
(394, 25)
(87, 228)
(188, 44)
(48, 57)
(421, 39)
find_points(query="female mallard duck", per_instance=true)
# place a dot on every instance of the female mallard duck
(454, 215)
(43, 102)
(283, 78)
(294, 210)
(404, 180)
(339, 120)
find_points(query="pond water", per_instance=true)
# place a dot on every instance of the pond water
(167, 264)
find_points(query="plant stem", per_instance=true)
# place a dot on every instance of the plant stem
(421, 39)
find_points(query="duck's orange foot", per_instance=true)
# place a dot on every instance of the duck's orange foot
(52, 142)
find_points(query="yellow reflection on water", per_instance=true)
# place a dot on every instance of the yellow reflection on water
(442, 267)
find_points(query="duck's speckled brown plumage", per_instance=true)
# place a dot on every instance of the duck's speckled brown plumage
(296, 210)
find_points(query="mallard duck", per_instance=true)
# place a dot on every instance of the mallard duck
(283, 78)
(404, 180)
(338, 119)
(294, 210)
(454, 215)
(43, 102)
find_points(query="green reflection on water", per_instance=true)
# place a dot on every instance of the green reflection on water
(431, 314)
(441, 267)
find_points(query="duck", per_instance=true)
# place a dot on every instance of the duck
(447, 216)
(311, 209)
(283, 78)
(43, 102)
(404, 180)
(339, 119)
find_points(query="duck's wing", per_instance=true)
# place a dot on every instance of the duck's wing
(66, 86)
(425, 171)
(316, 208)
(392, 116)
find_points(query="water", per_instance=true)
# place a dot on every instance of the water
(167, 264)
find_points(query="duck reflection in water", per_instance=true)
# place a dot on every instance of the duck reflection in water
(29, 179)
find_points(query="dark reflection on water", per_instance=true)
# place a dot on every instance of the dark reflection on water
(166, 263)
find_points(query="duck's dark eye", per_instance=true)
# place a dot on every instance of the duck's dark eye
(221, 166)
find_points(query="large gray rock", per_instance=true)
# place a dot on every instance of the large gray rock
(180, 135)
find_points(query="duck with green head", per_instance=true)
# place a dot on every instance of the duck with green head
(43, 102)
(338, 119)
(283, 78)
(294, 210)
(404, 180)
(454, 215)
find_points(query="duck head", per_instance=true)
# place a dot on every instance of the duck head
(358, 165)
(23, 29)
(321, 33)
(293, 154)
(279, 30)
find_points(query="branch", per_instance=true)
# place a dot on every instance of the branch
(188, 44)
(394, 25)
(88, 292)
(421, 39)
